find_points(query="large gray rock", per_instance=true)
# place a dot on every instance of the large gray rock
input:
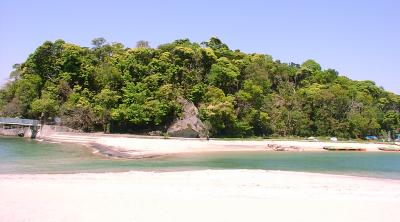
(189, 125)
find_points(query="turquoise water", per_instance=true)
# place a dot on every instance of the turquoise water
(18, 155)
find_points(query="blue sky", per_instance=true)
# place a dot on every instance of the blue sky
(360, 39)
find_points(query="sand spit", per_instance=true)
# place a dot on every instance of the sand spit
(129, 146)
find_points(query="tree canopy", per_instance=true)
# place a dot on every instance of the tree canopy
(109, 87)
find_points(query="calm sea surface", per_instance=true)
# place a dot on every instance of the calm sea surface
(18, 155)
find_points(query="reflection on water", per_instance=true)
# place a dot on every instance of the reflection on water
(19, 155)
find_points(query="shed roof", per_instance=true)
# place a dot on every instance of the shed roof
(18, 121)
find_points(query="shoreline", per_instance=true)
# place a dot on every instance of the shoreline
(308, 174)
(139, 147)
(204, 195)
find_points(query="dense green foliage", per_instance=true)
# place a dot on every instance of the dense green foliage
(113, 88)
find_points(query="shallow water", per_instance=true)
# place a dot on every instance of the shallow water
(18, 155)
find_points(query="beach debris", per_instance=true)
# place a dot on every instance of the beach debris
(371, 138)
(397, 139)
(311, 138)
(189, 125)
(155, 133)
(21, 133)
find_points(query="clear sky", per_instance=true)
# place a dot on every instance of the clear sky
(360, 39)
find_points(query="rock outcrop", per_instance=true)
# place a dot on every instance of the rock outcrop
(189, 125)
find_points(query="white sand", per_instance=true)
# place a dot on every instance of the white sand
(142, 146)
(225, 195)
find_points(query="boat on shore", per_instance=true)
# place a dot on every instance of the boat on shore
(276, 147)
(390, 148)
(332, 148)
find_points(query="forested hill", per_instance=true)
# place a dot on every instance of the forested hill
(113, 88)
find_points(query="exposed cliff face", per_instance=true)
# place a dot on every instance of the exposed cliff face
(189, 125)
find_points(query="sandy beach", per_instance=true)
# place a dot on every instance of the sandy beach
(210, 195)
(203, 195)
(131, 146)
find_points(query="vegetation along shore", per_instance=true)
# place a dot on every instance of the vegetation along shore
(111, 88)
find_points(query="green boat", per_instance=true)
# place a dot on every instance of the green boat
(332, 148)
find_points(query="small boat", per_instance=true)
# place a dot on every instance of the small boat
(332, 148)
(390, 148)
(276, 147)
(280, 149)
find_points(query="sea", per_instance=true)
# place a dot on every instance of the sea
(27, 156)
